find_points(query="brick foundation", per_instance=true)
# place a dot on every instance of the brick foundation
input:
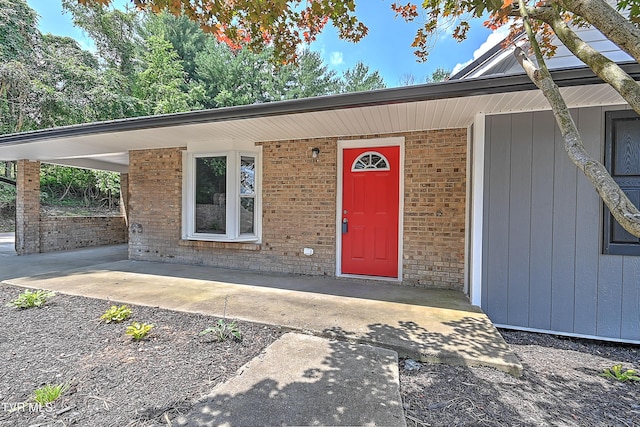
(299, 208)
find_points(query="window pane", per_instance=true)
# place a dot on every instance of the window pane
(246, 215)
(211, 195)
(626, 156)
(247, 175)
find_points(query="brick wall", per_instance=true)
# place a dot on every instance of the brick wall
(64, 233)
(28, 207)
(299, 202)
(36, 233)
(434, 208)
(155, 203)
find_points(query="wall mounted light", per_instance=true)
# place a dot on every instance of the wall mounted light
(315, 152)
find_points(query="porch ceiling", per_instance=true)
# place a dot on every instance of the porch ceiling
(108, 149)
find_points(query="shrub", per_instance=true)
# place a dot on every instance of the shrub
(618, 374)
(138, 330)
(116, 314)
(223, 330)
(29, 299)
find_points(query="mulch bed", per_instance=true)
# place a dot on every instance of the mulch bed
(560, 386)
(116, 381)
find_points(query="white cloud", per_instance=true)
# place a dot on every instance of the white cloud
(336, 58)
(493, 39)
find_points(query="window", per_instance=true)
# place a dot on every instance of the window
(222, 197)
(622, 159)
(370, 160)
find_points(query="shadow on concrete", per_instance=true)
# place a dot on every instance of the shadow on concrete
(344, 384)
(468, 341)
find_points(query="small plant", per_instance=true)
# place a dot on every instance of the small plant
(138, 330)
(618, 374)
(49, 393)
(224, 330)
(116, 314)
(29, 299)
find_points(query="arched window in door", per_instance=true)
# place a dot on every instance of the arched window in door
(370, 160)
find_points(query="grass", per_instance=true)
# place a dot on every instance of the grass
(49, 393)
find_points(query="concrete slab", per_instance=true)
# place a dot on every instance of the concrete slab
(306, 380)
(12, 265)
(7, 244)
(427, 325)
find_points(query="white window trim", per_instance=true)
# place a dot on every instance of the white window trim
(232, 188)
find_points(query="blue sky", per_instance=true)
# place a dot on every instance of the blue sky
(387, 48)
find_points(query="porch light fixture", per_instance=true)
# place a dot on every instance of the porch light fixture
(315, 152)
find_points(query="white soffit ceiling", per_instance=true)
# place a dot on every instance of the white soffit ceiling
(109, 150)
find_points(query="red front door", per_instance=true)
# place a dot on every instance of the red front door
(370, 197)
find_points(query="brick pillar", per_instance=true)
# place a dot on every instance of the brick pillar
(28, 207)
(124, 197)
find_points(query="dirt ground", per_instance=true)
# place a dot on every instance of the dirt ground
(115, 381)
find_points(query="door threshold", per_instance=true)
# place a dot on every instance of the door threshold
(362, 276)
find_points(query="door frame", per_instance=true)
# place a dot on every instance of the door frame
(372, 143)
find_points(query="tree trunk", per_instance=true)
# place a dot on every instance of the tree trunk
(627, 215)
(610, 22)
(602, 66)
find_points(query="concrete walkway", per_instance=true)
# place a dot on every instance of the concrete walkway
(317, 382)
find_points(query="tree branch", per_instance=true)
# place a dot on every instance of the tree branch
(627, 215)
(609, 21)
(602, 66)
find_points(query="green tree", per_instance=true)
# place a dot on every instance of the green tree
(113, 31)
(359, 78)
(311, 77)
(438, 75)
(159, 84)
(233, 77)
(19, 45)
(18, 31)
(65, 74)
(185, 36)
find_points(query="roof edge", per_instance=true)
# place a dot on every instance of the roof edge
(432, 91)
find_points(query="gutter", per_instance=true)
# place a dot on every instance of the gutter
(426, 92)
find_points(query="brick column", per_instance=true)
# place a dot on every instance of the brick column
(28, 207)
(124, 197)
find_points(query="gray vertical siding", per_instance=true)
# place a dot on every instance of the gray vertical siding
(543, 266)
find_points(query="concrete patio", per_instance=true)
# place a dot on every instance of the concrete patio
(427, 325)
